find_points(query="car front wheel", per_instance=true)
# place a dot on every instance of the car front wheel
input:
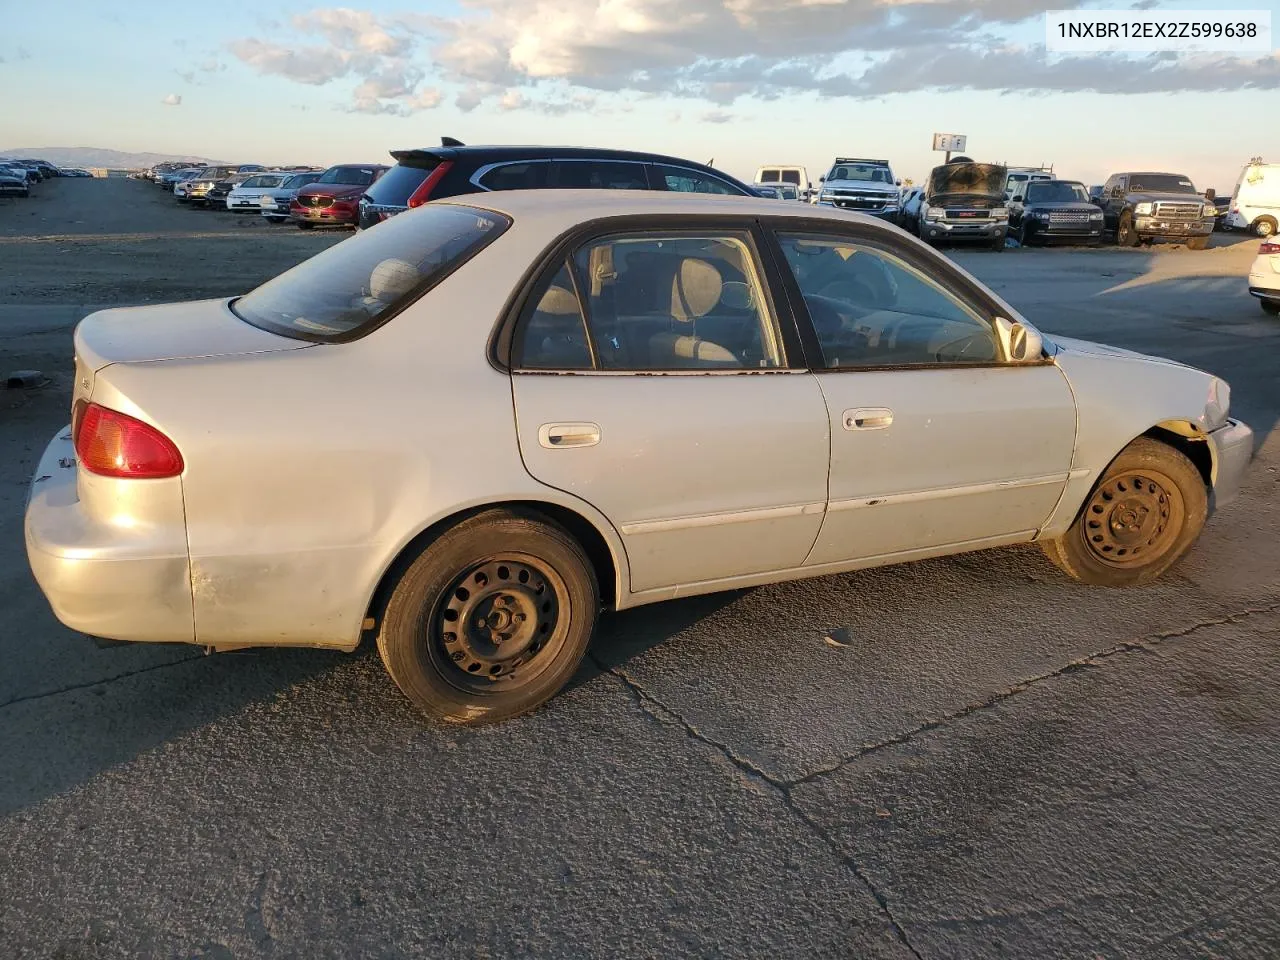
(492, 619)
(1144, 514)
(1126, 233)
(1270, 307)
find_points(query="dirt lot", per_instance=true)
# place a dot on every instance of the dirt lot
(995, 762)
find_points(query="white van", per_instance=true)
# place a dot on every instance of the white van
(781, 173)
(1019, 177)
(1255, 203)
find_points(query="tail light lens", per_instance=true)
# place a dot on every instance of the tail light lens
(423, 193)
(112, 444)
(1269, 246)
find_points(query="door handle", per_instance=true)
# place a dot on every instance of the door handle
(553, 436)
(868, 418)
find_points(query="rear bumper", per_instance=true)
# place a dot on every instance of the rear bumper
(1232, 451)
(112, 577)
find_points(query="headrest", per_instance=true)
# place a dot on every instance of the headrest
(559, 301)
(696, 289)
(392, 279)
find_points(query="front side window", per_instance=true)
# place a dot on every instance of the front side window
(652, 302)
(870, 308)
(680, 180)
(597, 175)
(351, 286)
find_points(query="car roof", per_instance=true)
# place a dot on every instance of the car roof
(542, 151)
(561, 209)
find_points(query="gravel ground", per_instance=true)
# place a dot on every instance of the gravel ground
(996, 762)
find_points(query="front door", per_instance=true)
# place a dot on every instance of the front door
(936, 441)
(650, 379)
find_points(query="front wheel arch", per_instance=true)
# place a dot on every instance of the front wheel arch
(606, 564)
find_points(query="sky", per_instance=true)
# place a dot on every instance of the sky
(740, 82)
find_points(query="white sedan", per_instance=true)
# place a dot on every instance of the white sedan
(468, 431)
(247, 194)
(1264, 277)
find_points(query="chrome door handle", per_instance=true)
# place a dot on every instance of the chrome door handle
(553, 436)
(868, 418)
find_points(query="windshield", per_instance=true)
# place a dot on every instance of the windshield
(350, 176)
(298, 180)
(347, 288)
(969, 179)
(1160, 183)
(1059, 192)
(865, 172)
(262, 180)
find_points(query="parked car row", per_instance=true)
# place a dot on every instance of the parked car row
(18, 176)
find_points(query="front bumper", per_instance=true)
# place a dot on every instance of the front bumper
(889, 212)
(1048, 230)
(1232, 450)
(1154, 227)
(120, 577)
(332, 214)
(963, 229)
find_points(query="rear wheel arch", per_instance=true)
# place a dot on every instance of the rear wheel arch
(608, 566)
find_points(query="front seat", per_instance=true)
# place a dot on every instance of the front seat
(695, 292)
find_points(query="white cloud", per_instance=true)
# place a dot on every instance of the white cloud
(172, 100)
(557, 56)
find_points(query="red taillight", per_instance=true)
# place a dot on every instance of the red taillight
(111, 444)
(1269, 246)
(423, 193)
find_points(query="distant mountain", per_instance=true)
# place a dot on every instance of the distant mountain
(98, 157)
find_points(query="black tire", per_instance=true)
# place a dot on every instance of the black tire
(1126, 233)
(302, 225)
(1150, 499)
(997, 245)
(1023, 239)
(1265, 227)
(1270, 307)
(1198, 243)
(498, 571)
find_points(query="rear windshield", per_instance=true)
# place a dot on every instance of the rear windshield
(347, 289)
(791, 176)
(1160, 183)
(348, 176)
(397, 185)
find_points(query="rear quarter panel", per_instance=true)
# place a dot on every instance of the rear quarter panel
(308, 471)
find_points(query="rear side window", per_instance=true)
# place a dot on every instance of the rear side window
(597, 175)
(347, 289)
(771, 176)
(516, 176)
(396, 186)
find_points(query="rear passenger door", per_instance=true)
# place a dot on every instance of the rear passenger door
(655, 378)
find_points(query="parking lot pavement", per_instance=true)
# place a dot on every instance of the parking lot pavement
(969, 757)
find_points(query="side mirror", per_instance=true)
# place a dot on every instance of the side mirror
(822, 179)
(1018, 199)
(1022, 342)
(1210, 194)
(897, 183)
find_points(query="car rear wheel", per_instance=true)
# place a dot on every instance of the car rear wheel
(1126, 233)
(1270, 307)
(1144, 514)
(305, 226)
(1198, 243)
(491, 620)
(1265, 226)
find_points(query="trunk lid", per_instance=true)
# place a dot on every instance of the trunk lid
(174, 331)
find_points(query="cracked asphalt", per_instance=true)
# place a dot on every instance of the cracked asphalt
(984, 759)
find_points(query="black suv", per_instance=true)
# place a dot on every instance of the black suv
(1047, 210)
(1150, 206)
(433, 173)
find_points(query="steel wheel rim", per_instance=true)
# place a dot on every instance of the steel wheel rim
(499, 625)
(1132, 518)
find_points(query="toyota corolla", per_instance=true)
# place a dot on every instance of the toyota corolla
(468, 432)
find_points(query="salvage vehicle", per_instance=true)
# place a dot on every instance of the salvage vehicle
(1054, 210)
(454, 169)
(605, 345)
(273, 202)
(333, 198)
(867, 186)
(964, 200)
(1255, 202)
(1139, 207)
(1264, 277)
(13, 182)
